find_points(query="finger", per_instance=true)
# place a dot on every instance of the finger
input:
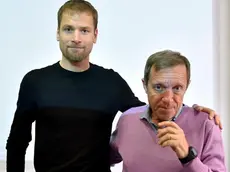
(166, 137)
(197, 107)
(221, 126)
(205, 109)
(171, 143)
(166, 130)
(168, 124)
(211, 114)
(218, 121)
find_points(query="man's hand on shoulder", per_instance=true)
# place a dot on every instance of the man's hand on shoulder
(211, 112)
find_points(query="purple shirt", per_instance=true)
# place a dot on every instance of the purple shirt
(135, 142)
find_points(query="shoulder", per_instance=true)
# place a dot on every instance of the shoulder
(114, 78)
(131, 117)
(135, 111)
(39, 72)
(199, 119)
(35, 75)
(106, 71)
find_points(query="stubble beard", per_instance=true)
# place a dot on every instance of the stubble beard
(73, 58)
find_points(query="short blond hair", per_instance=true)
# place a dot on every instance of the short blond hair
(78, 6)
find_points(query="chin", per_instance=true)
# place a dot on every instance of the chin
(166, 114)
(76, 59)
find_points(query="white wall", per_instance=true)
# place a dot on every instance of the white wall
(129, 31)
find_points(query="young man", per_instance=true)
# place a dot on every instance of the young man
(72, 101)
(166, 135)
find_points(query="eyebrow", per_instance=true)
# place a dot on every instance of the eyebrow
(85, 27)
(66, 25)
(165, 84)
(82, 27)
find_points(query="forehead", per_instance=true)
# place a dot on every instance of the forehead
(176, 74)
(70, 17)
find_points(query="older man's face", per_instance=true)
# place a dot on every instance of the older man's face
(165, 90)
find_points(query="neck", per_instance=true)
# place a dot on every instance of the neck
(155, 120)
(75, 66)
(153, 117)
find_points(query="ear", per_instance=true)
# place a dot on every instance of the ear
(144, 86)
(57, 35)
(95, 36)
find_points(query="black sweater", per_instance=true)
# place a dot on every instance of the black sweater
(73, 114)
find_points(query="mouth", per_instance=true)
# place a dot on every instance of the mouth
(167, 109)
(76, 47)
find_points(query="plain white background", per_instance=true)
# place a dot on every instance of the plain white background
(129, 31)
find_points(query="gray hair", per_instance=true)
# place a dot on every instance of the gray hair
(166, 59)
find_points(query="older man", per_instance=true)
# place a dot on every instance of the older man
(166, 135)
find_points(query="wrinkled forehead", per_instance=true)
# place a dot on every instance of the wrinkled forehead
(169, 76)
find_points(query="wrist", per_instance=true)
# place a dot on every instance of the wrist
(182, 152)
(185, 153)
(192, 154)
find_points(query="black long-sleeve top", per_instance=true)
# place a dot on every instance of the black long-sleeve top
(73, 114)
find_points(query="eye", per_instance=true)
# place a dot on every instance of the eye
(177, 88)
(84, 31)
(158, 87)
(68, 29)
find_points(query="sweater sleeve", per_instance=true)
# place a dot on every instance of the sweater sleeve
(20, 132)
(127, 97)
(212, 158)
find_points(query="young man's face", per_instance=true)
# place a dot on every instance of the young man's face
(76, 35)
(165, 90)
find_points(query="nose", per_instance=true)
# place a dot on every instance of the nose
(77, 37)
(168, 96)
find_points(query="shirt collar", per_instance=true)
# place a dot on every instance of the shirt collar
(146, 114)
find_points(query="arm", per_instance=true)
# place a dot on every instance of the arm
(212, 158)
(20, 133)
(128, 99)
(115, 157)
